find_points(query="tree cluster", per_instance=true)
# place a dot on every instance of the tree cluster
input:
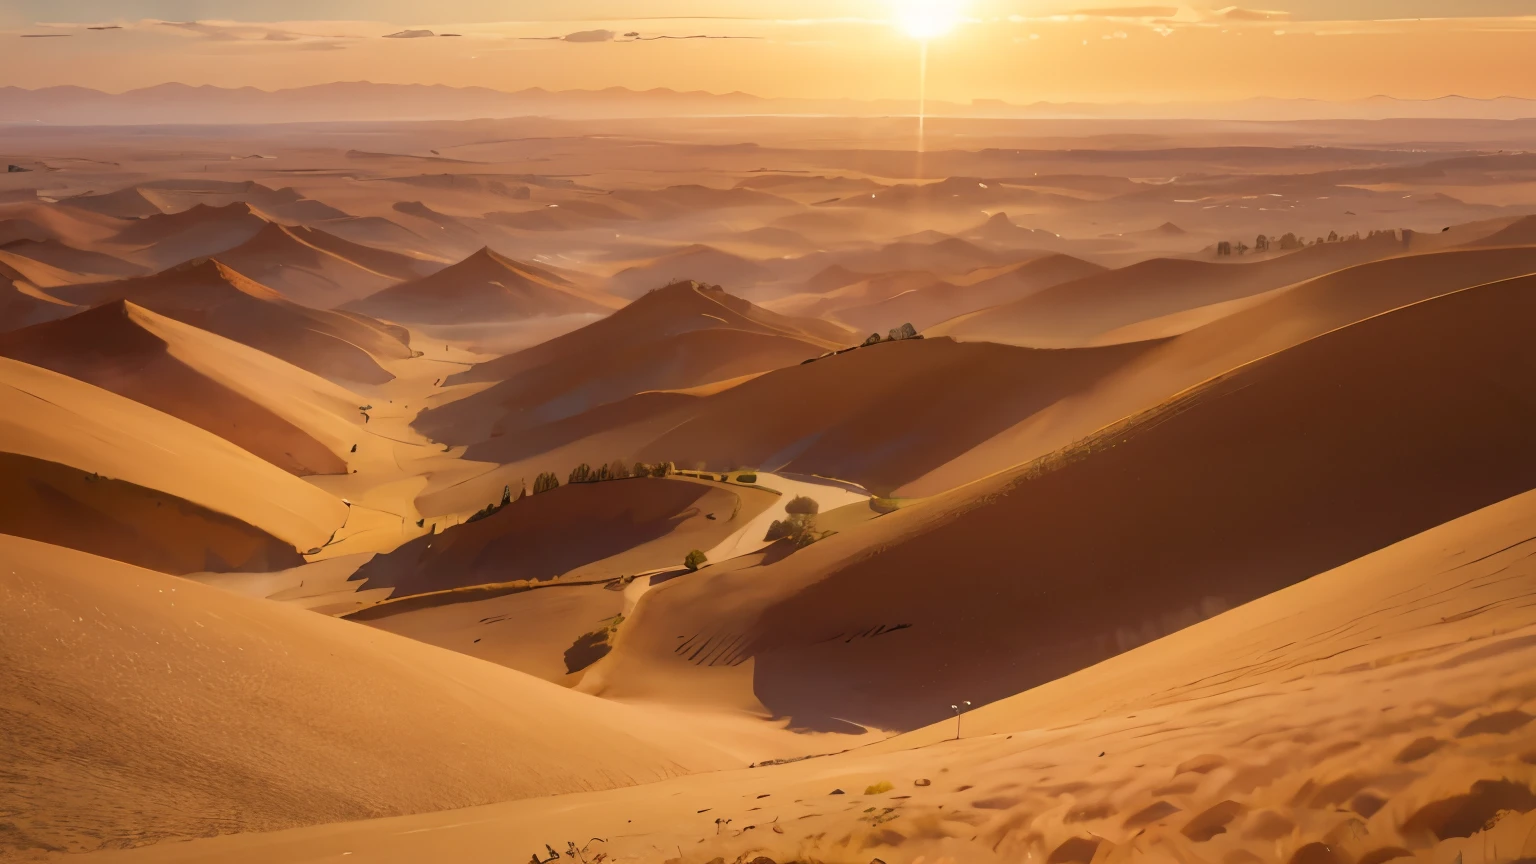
(1287, 242)
(800, 526)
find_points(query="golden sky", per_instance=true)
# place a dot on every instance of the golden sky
(1017, 50)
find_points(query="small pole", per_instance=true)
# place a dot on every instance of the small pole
(959, 709)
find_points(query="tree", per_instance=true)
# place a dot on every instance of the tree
(545, 482)
(617, 470)
(1261, 244)
(695, 560)
(1289, 242)
(799, 529)
(1223, 249)
(1333, 236)
(581, 474)
(1242, 248)
(662, 469)
(802, 506)
(506, 495)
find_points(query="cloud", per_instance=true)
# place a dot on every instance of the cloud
(207, 31)
(410, 34)
(591, 36)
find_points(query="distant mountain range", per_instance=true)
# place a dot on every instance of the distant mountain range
(364, 101)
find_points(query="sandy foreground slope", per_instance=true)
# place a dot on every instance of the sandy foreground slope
(140, 707)
(57, 420)
(294, 419)
(1238, 488)
(1378, 711)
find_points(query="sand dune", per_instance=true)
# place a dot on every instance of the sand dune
(1083, 311)
(586, 530)
(86, 266)
(698, 262)
(679, 336)
(124, 470)
(484, 287)
(316, 269)
(173, 238)
(1522, 232)
(286, 203)
(210, 296)
(1000, 230)
(282, 717)
(1274, 324)
(293, 419)
(129, 203)
(948, 257)
(23, 304)
(1243, 486)
(926, 306)
(880, 416)
(690, 200)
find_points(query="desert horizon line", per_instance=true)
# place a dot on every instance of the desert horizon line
(742, 94)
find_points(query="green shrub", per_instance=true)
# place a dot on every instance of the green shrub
(695, 560)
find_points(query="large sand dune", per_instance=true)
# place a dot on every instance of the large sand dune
(1237, 488)
(291, 418)
(174, 238)
(697, 262)
(484, 287)
(680, 336)
(109, 444)
(316, 269)
(144, 708)
(1091, 310)
(1273, 324)
(213, 297)
(23, 304)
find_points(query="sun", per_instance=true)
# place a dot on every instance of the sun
(927, 19)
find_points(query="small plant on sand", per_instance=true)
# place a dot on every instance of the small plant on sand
(802, 506)
(880, 788)
(695, 560)
(545, 482)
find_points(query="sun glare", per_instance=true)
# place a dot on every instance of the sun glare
(927, 19)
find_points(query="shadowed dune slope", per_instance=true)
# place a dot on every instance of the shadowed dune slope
(680, 336)
(1274, 324)
(23, 304)
(129, 203)
(543, 536)
(86, 266)
(1083, 311)
(484, 287)
(316, 269)
(248, 398)
(1521, 232)
(282, 717)
(1237, 488)
(213, 297)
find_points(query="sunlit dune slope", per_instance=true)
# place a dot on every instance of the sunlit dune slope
(680, 336)
(1087, 310)
(1273, 324)
(486, 286)
(291, 418)
(316, 269)
(280, 717)
(213, 297)
(641, 523)
(56, 420)
(1237, 488)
